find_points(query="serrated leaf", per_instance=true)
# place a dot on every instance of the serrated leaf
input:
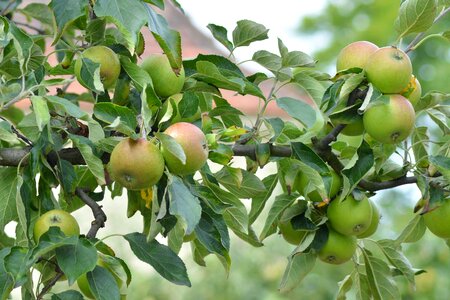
(169, 40)
(128, 15)
(140, 78)
(379, 277)
(212, 232)
(170, 144)
(296, 59)
(350, 84)
(8, 194)
(258, 202)
(65, 13)
(102, 284)
(413, 231)
(298, 109)
(164, 260)
(249, 187)
(94, 163)
(183, 203)
(361, 168)
(280, 203)
(415, 16)
(344, 287)
(108, 112)
(313, 87)
(220, 34)
(397, 259)
(75, 260)
(40, 12)
(299, 265)
(68, 295)
(23, 45)
(41, 111)
(90, 75)
(247, 32)
(273, 63)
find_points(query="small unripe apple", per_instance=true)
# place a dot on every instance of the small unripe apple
(350, 216)
(193, 142)
(355, 55)
(166, 81)
(413, 91)
(338, 249)
(391, 120)
(58, 218)
(109, 64)
(375, 220)
(437, 220)
(136, 164)
(389, 69)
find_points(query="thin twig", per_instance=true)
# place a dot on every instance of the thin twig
(49, 285)
(38, 30)
(99, 214)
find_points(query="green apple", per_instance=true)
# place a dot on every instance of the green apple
(136, 164)
(55, 217)
(350, 216)
(375, 220)
(389, 69)
(109, 64)
(193, 142)
(355, 55)
(166, 81)
(338, 248)
(390, 120)
(437, 220)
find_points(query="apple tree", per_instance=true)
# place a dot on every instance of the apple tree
(161, 134)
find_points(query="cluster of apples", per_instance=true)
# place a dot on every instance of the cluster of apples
(389, 70)
(348, 220)
(139, 163)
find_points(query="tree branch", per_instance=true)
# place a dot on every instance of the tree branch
(99, 214)
(49, 285)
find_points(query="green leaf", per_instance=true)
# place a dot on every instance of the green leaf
(280, 203)
(212, 232)
(94, 163)
(296, 59)
(169, 40)
(413, 231)
(65, 13)
(90, 75)
(299, 265)
(40, 12)
(415, 16)
(247, 32)
(226, 79)
(67, 107)
(109, 112)
(6, 279)
(258, 202)
(17, 264)
(420, 144)
(272, 62)
(8, 92)
(220, 62)
(128, 15)
(75, 260)
(221, 35)
(350, 84)
(188, 105)
(310, 85)
(164, 260)
(397, 259)
(171, 145)
(381, 283)
(442, 163)
(361, 168)
(344, 287)
(41, 111)
(68, 295)
(299, 110)
(250, 186)
(183, 203)
(140, 78)
(8, 194)
(103, 284)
